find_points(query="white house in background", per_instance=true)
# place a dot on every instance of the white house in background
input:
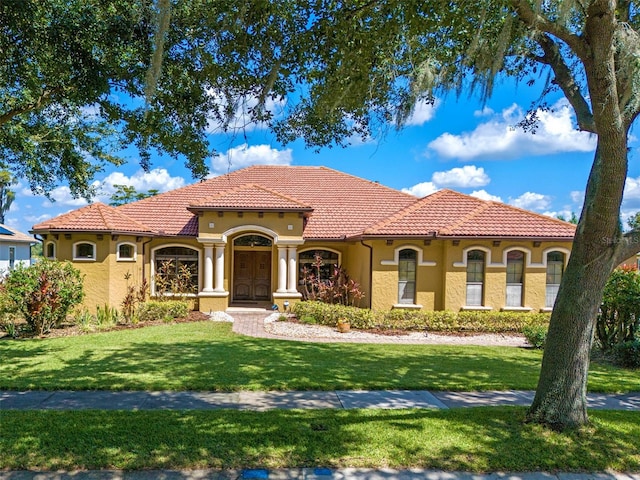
(15, 248)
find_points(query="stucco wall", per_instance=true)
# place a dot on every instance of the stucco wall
(443, 286)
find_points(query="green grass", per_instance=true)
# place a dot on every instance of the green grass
(477, 440)
(209, 356)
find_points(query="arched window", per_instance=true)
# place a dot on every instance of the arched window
(176, 270)
(475, 278)
(126, 252)
(555, 268)
(407, 276)
(317, 263)
(252, 240)
(84, 251)
(50, 250)
(515, 277)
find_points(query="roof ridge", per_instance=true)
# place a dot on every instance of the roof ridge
(247, 186)
(483, 205)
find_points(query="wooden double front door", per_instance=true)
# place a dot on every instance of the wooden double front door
(251, 275)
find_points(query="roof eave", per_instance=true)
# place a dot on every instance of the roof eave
(465, 237)
(197, 210)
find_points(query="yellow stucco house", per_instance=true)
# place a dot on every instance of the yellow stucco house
(246, 236)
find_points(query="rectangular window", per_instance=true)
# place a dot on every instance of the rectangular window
(12, 258)
(474, 294)
(515, 274)
(407, 277)
(475, 278)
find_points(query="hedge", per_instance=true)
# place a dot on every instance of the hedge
(412, 320)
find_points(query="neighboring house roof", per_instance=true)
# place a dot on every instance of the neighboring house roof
(96, 217)
(446, 213)
(8, 234)
(337, 205)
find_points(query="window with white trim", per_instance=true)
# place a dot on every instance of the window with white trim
(555, 269)
(475, 278)
(12, 258)
(84, 251)
(407, 260)
(126, 252)
(515, 277)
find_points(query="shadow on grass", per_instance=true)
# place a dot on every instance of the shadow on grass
(478, 440)
(207, 356)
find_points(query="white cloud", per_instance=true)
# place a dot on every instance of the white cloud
(484, 195)
(423, 112)
(244, 156)
(485, 112)
(157, 179)
(577, 196)
(466, 177)
(631, 196)
(499, 139)
(33, 219)
(531, 201)
(62, 196)
(421, 189)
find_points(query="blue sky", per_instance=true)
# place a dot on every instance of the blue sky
(459, 144)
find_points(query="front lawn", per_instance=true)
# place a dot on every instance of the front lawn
(209, 356)
(485, 439)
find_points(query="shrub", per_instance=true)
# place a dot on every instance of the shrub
(435, 321)
(619, 317)
(536, 335)
(170, 309)
(106, 316)
(627, 354)
(44, 292)
(136, 294)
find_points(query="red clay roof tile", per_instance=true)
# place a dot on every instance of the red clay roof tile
(96, 217)
(343, 206)
(453, 214)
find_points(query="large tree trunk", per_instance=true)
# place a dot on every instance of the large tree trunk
(560, 399)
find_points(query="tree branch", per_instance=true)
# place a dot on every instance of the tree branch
(537, 22)
(564, 78)
(42, 100)
(628, 246)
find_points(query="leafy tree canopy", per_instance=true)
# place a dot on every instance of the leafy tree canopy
(127, 194)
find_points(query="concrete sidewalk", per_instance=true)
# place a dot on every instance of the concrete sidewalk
(308, 474)
(260, 401)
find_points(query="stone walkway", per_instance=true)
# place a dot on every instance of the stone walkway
(262, 324)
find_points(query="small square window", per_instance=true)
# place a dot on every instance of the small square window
(84, 251)
(126, 251)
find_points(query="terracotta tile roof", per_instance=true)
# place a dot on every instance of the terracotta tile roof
(249, 197)
(452, 214)
(96, 217)
(343, 206)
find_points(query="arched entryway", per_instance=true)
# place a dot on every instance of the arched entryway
(252, 255)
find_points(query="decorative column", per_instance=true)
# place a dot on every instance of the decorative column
(219, 277)
(293, 271)
(282, 269)
(208, 268)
